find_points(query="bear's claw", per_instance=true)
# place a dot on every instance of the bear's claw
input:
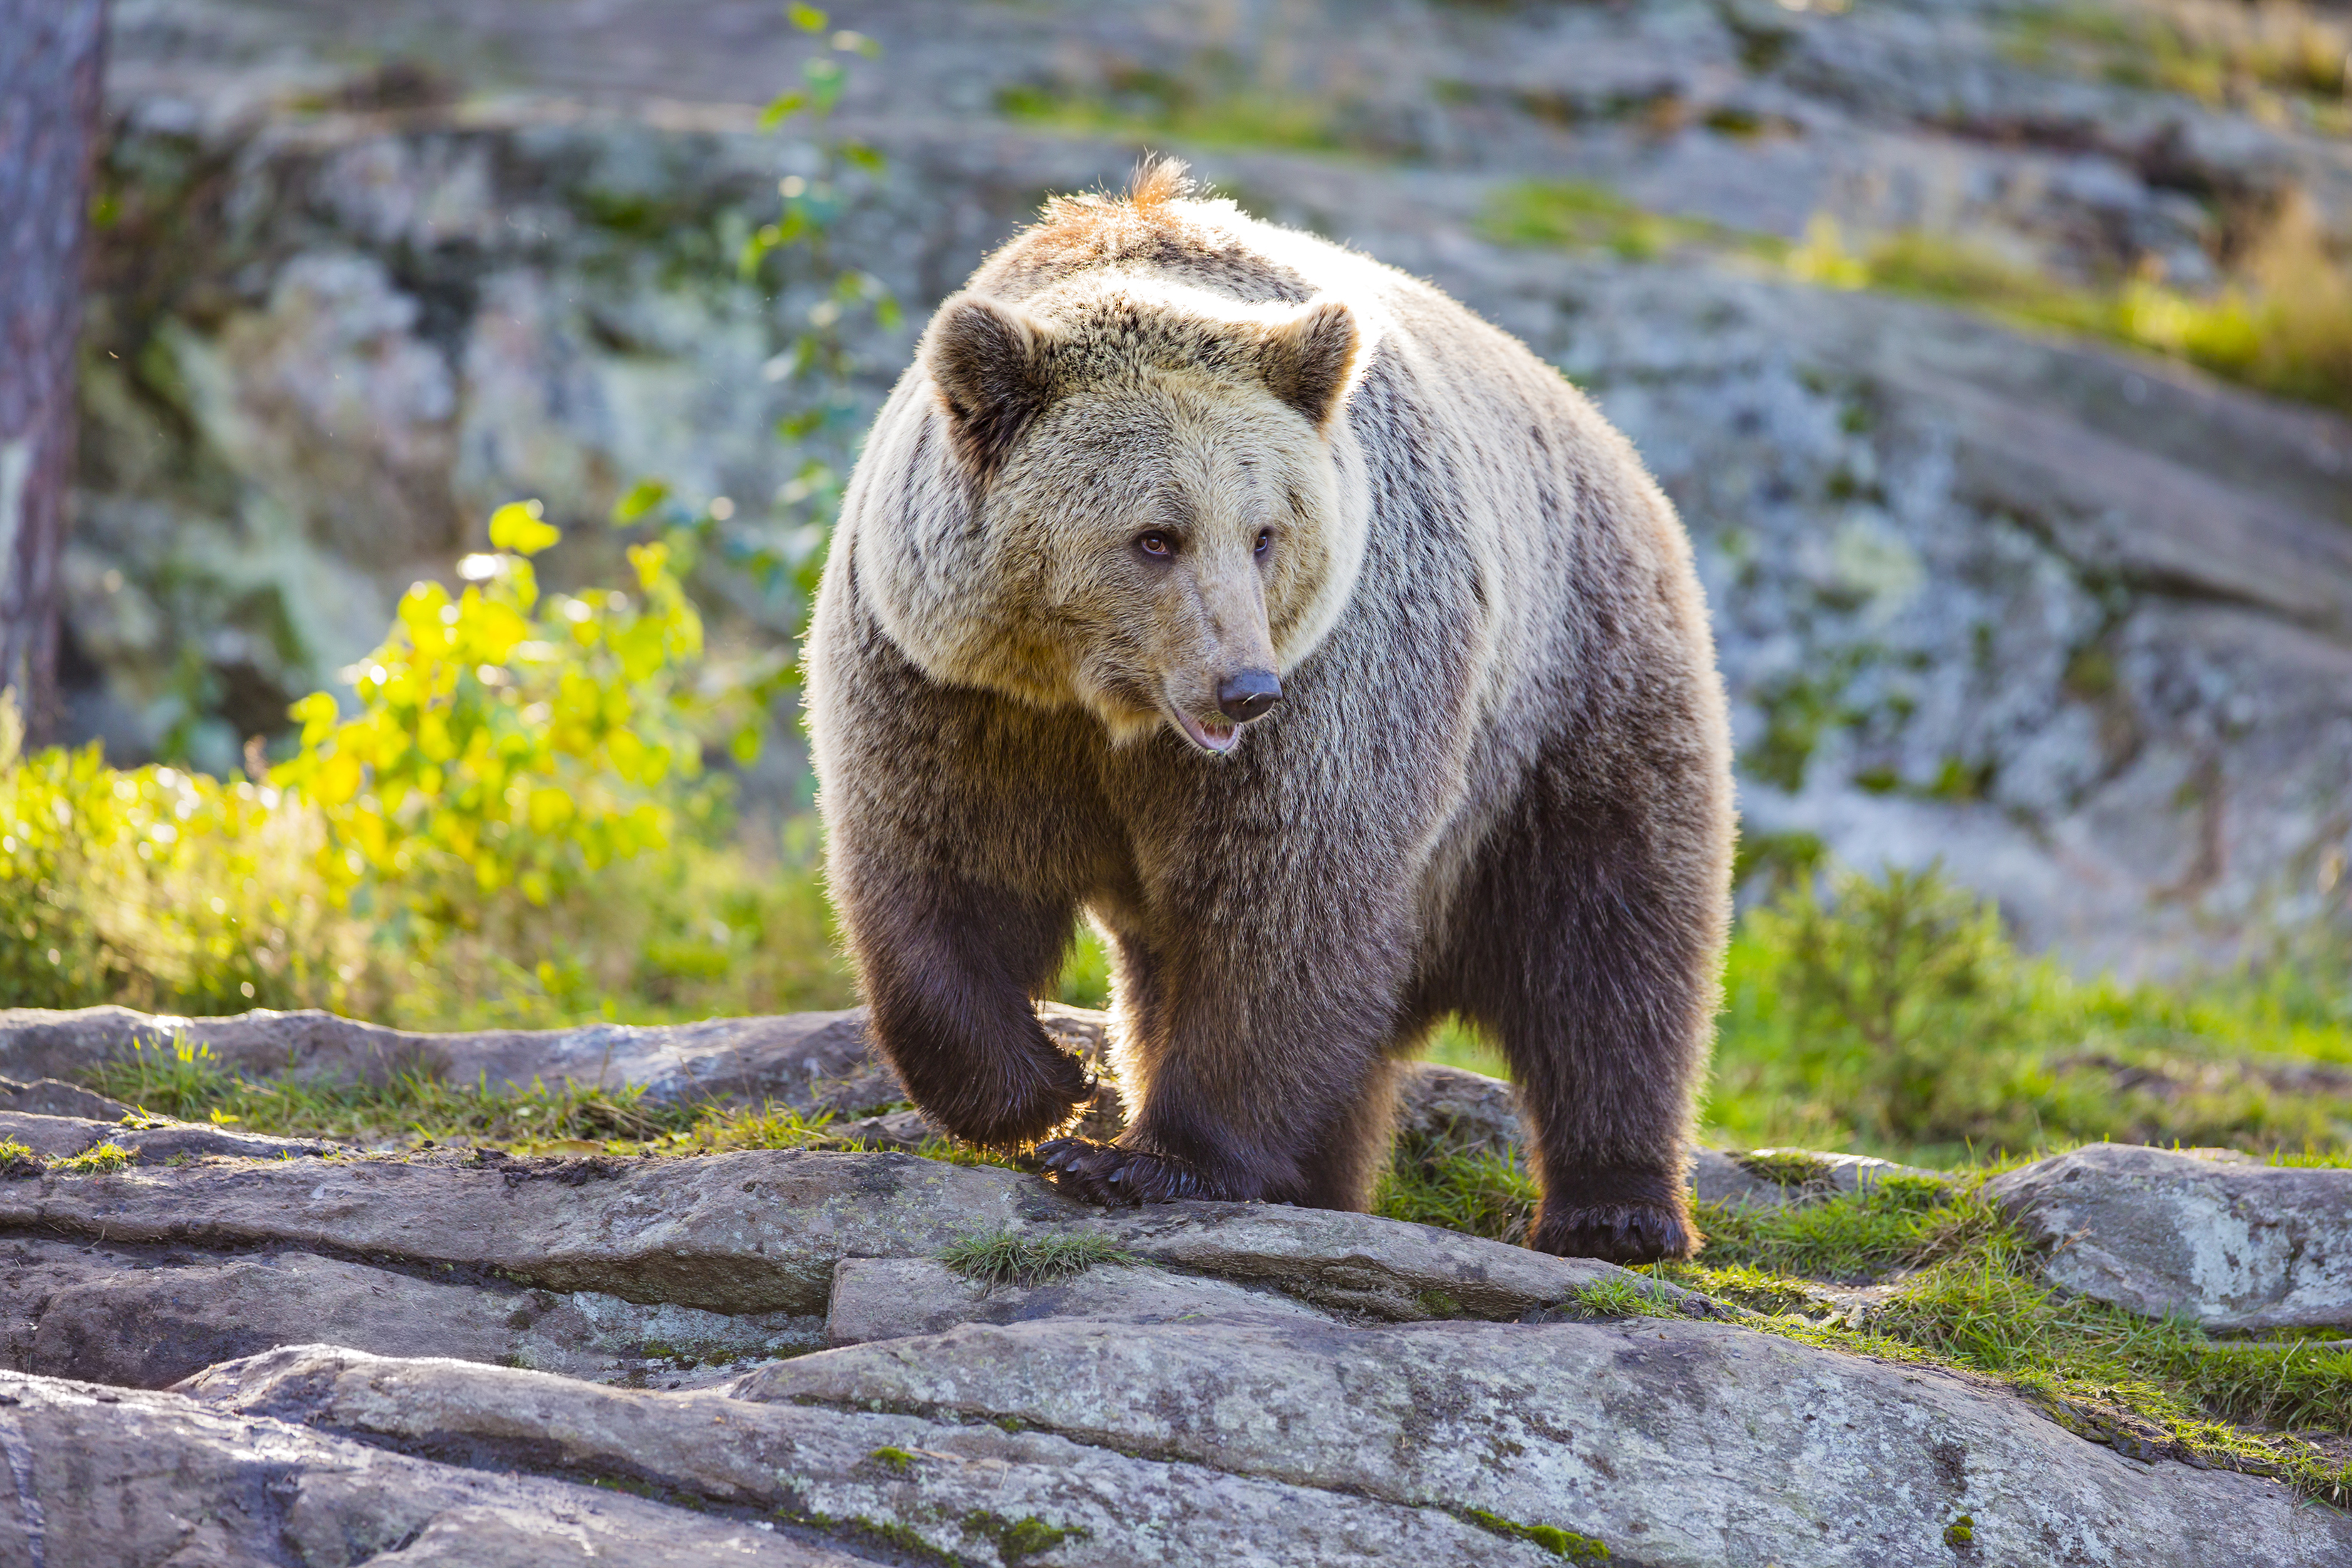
(1107, 1175)
(1617, 1233)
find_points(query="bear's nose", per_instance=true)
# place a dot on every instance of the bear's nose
(1249, 695)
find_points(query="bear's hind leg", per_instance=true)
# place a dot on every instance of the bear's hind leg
(1589, 941)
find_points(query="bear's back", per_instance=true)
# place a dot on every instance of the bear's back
(1159, 230)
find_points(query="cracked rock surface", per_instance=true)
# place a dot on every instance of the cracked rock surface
(105, 1479)
(442, 1359)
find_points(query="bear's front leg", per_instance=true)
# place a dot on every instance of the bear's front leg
(949, 966)
(1254, 1064)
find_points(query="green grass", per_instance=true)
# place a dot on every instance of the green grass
(104, 1159)
(1966, 1294)
(1140, 105)
(1581, 216)
(2282, 322)
(2278, 61)
(186, 1081)
(1480, 1192)
(1623, 1298)
(1006, 1259)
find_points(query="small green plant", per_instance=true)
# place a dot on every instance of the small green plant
(894, 1459)
(1579, 215)
(17, 1162)
(1018, 1537)
(1480, 1192)
(1007, 1257)
(1560, 1542)
(1622, 1299)
(1893, 1015)
(1207, 104)
(103, 1159)
(1785, 1167)
(501, 743)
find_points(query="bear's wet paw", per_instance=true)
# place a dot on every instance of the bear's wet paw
(1107, 1175)
(1615, 1233)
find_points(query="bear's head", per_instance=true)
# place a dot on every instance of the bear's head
(1160, 503)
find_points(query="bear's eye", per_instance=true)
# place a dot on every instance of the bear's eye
(1156, 543)
(1264, 540)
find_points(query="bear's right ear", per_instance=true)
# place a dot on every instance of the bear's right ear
(990, 362)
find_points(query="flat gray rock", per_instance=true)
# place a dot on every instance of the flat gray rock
(54, 1097)
(109, 1478)
(2226, 1241)
(760, 1231)
(900, 1297)
(812, 1061)
(1689, 1445)
(150, 1142)
(815, 1062)
(1777, 1178)
(143, 1319)
(970, 1491)
(1672, 1442)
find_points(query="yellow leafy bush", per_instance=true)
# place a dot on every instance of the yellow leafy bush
(512, 826)
(503, 741)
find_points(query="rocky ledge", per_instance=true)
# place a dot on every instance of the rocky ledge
(264, 1351)
(768, 1345)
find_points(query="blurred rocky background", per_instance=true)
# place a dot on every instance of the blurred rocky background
(1995, 352)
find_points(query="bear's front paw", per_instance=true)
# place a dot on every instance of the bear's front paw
(1107, 1175)
(1616, 1232)
(1013, 1105)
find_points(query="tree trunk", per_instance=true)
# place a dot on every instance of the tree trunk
(51, 55)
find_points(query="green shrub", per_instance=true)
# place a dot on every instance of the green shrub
(1892, 1015)
(511, 829)
(161, 889)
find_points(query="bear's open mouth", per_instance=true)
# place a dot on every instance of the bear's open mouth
(1215, 736)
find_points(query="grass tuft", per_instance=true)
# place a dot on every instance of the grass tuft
(1478, 1192)
(17, 1162)
(1785, 1167)
(1007, 1257)
(104, 1159)
(1622, 1299)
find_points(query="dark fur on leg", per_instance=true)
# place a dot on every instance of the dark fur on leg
(1604, 1005)
(950, 967)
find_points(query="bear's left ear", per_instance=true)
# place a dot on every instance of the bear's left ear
(1306, 359)
(988, 361)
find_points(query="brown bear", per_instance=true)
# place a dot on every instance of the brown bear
(1332, 654)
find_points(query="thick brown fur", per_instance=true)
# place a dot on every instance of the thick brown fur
(1155, 443)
